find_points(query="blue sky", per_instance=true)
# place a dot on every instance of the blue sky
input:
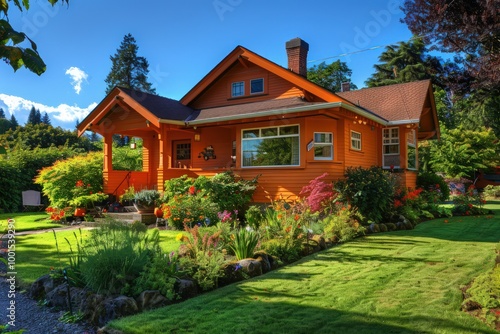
(183, 41)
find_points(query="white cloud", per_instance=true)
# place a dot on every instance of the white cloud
(63, 112)
(77, 75)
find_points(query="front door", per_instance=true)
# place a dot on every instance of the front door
(182, 154)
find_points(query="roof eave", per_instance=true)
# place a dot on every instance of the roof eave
(275, 112)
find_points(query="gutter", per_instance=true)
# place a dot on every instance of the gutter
(405, 121)
(277, 112)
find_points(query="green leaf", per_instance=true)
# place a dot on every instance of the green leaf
(34, 62)
(4, 6)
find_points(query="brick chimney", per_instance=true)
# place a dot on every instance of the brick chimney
(296, 49)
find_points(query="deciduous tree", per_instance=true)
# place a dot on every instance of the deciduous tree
(331, 76)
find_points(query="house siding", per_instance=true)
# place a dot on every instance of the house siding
(219, 94)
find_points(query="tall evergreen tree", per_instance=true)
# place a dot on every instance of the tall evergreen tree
(13, 122)
(331, 76)
(405, 62)
(2, 113)
(35, 117)
(46, 118)
(128, 69)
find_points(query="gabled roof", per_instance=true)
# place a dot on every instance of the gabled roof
(399, 102)
(161, 107)
(152, 107)
(241, 54)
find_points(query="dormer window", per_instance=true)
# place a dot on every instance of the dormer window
(257, 86)
(238, 89)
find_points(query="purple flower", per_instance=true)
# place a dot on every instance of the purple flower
(237, 267)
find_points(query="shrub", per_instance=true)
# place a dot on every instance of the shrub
(244, 242)
(319, 195)
(204, 259)
(369, 191)
(287, 250)
(160, 274)
(491, 191)
(342, 226)
(253, 216)
(58, 181)
(434, 184)
(469, 203)
(114, 256)
(190, 210)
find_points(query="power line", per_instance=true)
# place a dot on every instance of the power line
(365, 50)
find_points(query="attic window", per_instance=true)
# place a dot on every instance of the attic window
(257, 86)
(238, 89)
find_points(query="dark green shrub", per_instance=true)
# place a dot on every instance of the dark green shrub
(434, 185)
(370, 191)
(253, 217)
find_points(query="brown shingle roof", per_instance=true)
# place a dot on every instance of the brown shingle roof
(395, 102)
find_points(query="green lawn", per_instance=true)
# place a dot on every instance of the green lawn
(397, 282)
(37, 253)
(26, 221)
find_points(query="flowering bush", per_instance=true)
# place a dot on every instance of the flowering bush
(468, 204)
(191, 209)
(84, 195)
(436, 188)
(319, 195)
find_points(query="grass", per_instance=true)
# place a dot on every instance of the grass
(36, 254)
(27, 221)
(397, 282)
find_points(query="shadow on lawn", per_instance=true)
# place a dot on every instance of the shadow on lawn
(256, 312)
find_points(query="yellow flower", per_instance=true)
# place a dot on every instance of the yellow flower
(179, 237)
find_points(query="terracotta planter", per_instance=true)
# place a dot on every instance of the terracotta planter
(80, 212)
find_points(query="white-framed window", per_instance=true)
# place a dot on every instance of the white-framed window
(270, 146)
(390, 142)
(257, 86)
(238, 89)
(411, 149)
(323, 146)
(356, 140)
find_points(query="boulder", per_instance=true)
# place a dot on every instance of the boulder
(58, 297)
(263, 258)
(113, 308)
(251, 267)
(320, 240)
(186, 288)
(42, 286)
(150, 299)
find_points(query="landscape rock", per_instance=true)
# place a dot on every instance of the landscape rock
(58, 297)
(113, 308)
(42, 286)
(150, 299)
(186, 288)
(251, 267)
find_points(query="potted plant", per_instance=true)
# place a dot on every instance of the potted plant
(145, 200)
(128, 196)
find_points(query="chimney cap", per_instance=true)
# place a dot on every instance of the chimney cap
(297, 42)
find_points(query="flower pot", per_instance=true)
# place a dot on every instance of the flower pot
(80, 212)
(142, 208)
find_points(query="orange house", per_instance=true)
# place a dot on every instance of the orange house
(255, 117)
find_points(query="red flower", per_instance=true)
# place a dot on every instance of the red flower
(470, 205)
(79, 183)
(192, 190)
(397, 203)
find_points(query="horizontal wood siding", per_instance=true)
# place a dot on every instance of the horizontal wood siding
(371, 147)
(219, 94)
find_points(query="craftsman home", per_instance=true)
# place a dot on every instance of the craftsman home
(255, 117)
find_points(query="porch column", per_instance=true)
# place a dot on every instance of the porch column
(108, 153)
(161, 153)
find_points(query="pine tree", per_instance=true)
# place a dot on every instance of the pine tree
(35, 117)
(13, 122)
(405, 62)
(2, 113)
(129, 70)
(46, 118)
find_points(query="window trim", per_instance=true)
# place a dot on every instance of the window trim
(412, 144)
(270, 137)
(357, 140)
(320, 144)
(243, 88)
(391, 141)
(260, 92)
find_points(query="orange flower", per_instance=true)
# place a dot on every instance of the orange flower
(297, 217)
